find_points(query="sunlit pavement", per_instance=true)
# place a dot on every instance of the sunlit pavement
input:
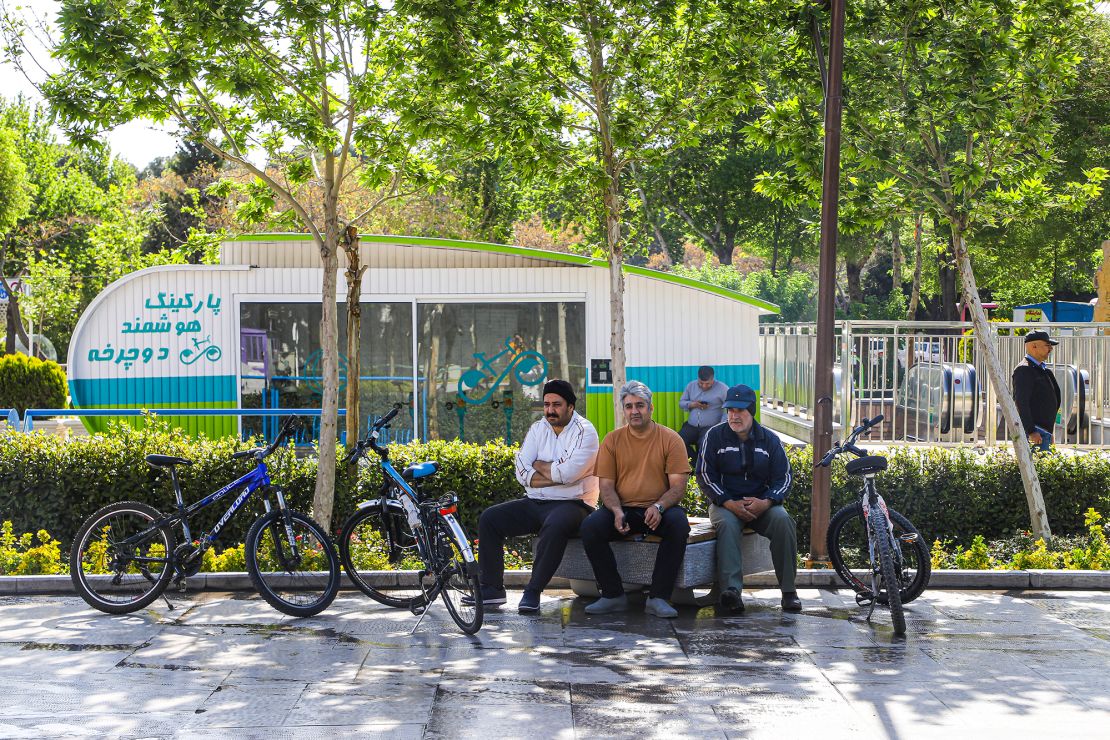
(974, 663)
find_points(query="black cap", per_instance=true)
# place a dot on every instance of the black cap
(740, 397)
(561, 388)
(1041, 335)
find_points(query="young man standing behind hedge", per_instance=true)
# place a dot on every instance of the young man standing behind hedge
(555, 465)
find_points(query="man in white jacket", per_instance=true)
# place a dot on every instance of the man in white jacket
(555, 465)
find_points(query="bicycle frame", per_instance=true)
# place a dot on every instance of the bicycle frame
(391, 502)
(870, 500)
(251, 482)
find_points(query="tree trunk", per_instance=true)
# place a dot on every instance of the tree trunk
(564, 359)
(1038, 517)
(853, 272)
(915, 291)
(616, 301)
(896, 258)
(599, 84)
(354, 274)
(323, 501)
(775, 240)
(947, 274)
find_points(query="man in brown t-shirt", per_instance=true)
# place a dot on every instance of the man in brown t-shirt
(642, 469)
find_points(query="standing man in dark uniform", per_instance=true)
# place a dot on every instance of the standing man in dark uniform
(1036, 391)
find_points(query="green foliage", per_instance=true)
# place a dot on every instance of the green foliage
(20, 556)
(794, 292)
(954, 494)
(54, 483)
(31, 383)
(975, 557)
(15, 190)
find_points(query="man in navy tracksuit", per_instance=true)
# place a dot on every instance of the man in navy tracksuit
(743, 470)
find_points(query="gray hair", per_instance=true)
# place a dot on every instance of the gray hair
(636, 388)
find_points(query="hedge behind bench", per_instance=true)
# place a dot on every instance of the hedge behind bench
(953, 494)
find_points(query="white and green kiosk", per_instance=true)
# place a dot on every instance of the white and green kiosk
(462, 334)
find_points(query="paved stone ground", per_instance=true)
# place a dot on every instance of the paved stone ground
(974, 663)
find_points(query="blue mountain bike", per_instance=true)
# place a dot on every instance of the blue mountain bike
(404, 550)
(125, 555)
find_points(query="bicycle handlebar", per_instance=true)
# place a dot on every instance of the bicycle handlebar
(259, 453)
(849, 445)
(371, 440)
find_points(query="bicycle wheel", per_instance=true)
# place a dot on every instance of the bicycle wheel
(887, 574)
(298, 578)
(114, 570)
(456, 578)
(847, 546)
(372, 541)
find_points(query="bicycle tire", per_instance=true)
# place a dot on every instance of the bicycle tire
(457, 579)
(100, 573)
(847, 548)
(370, 542)
(279, 577)
(888, 574)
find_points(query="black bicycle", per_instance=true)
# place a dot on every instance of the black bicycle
(125, 555)
(869, 540)
(404, 550)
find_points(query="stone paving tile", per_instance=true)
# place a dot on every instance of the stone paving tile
(382, 730)
(630, 719)
(505, 720)
(1001, 663)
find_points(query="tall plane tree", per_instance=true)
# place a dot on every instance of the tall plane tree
(308, 97)
(581, 91)
(955, 103)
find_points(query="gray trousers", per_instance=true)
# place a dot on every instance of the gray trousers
(776, 524)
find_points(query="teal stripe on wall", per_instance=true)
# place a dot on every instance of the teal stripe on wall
(673, 379)
(153, 391)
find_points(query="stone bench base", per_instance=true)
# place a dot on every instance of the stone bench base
(697, 578)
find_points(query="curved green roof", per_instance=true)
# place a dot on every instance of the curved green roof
(565, 257)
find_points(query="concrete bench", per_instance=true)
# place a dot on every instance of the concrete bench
(697, 578)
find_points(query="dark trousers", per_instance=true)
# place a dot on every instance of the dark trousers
(555, 521)
(598, 531)
(692, 436)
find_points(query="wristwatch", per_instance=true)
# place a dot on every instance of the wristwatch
(658, 506)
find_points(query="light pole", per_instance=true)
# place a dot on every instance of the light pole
(826, 289)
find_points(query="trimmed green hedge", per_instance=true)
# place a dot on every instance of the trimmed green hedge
(51, 483)
(954, 494)
(47, 482)
(31, 383)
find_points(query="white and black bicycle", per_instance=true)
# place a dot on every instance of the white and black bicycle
(874, 549)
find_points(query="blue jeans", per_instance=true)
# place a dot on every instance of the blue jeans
(1046, 442)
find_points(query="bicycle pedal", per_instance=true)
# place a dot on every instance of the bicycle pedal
(864, 599)
(418, 610)
(909, 538)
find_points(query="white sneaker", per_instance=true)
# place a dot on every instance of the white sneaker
(608, 606)
(660, 608)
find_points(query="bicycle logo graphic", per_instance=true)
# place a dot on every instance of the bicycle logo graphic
(478, 384)
(212, 353)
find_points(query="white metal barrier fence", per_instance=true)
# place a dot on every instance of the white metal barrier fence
(930, 381)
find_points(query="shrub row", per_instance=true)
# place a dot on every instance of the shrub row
(50, 483)
(31, 383)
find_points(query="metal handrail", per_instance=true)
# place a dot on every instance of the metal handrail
(30, 415)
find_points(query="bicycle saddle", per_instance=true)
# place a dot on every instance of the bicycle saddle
(866, 465)
(420, 470)
(166, 461)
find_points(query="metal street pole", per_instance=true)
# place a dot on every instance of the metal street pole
(823, 375)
